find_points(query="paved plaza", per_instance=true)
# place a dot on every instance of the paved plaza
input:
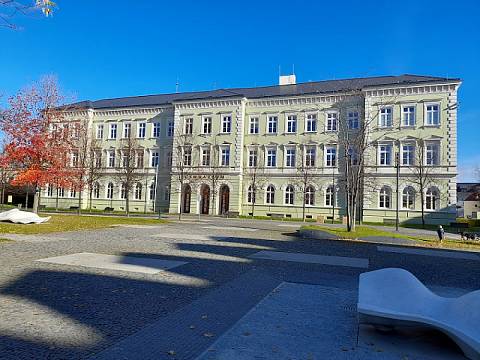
(209, 289)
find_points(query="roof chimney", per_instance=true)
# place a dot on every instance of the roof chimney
(287, 79)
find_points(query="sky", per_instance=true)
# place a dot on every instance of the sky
(106, 49)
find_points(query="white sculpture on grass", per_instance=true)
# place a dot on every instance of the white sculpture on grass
(390, 297)
(22, 217)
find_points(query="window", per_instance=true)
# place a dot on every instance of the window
(385, 154)
(96, 190)
(138, 191)
(331, 123)
(49, 190)
(289, 195)
(61, 192)
(100, 131)
(432, 112)
(187, 156)
(311, 123)
(140, 159)
(329, 196)
(152, 191)
(386, 117)
(291, 124)
(154, 158)
(98, 159)
(125, 160)
(290, 157)
(431, 199)
(270, 195)
(310, 155)
(271, 157)
(110, 191)
(123, 191)
(170, 128)
(142, 130)
(384, 198)
(188, 126)
(127, 130)
(330, 156)
(272, 124)
(226, 124)
(250, 195)
(166, 193)
(253, 126)
(408, 116)
(408, 154)
(206, 156)
(74, 158)
(432, 154)
(111, 158)
(310, 196)
(113, 131)
(353, 120)
(73, 193)
(408, 198)
(253, 158)
(169, 158)
(156, 130)
(206, 125)
(353, 157)
(225, 156)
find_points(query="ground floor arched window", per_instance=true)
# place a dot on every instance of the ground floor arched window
(385, 198)
(138, 191)
(250, 194)
(432, 199)
(310, 196)
(110, 191)
(289, 195)
(270, 195)
(408, 198)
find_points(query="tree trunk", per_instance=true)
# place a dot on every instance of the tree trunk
(90, 196)
(79, 211)
(127, 204)
(303, 206)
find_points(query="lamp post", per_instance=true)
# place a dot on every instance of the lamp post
(397, 166)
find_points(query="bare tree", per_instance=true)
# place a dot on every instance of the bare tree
(10, 9)
(255, 174)
(306, 172)
(128, 172)
(182, 168)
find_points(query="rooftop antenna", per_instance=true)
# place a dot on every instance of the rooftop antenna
(293, 69)
(177, 85)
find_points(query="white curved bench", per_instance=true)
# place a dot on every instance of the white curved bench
(22, 217)
(392, 296)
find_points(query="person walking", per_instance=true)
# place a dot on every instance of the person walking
(440, 232)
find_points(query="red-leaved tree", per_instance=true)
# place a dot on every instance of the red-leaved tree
(38, 139)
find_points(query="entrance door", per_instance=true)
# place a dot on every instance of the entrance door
(186, 197)
(224, 199)
(205, 200)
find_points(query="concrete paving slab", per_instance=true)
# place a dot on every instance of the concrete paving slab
(229, 228)
(290, 225)
(311, 258)
(113, 262)
(427, 252)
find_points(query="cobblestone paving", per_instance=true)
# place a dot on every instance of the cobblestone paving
(51, 311)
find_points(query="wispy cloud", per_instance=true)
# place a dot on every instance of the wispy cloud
(467, 169)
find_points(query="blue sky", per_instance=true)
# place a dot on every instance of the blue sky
(102, 49)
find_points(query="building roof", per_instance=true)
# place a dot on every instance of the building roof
(308, 88)
(473, 197)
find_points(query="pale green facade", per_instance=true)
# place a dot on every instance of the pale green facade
(189, 186)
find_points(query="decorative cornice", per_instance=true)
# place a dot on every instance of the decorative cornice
(411, 89)
(207, 104)
(297, 100)
(135, 111)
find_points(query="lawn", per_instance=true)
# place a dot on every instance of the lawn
(59, 223)
(364, 231)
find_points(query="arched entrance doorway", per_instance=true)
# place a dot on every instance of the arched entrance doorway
(204, 199)
(186, 197)
(224, 200)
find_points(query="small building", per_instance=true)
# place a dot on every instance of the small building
(464, 190)
(471, 206)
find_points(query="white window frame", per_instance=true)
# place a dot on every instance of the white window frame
(224, 154)
(311, 121)
(331, 121)
(270, 195)
(187, 155)
(387, 121)
(226, 124)
(426, 115)
(110, 158)
(387, 193)
(112, 130)
(127, 130)
(353, 120)
(408, 194)
(429, 204)
(310, 196)
(311, 160)
(188, 126)
(99, 131)
(333, 161)
(291, 120)
(206, 125)
(253, 124)
(329, 199)
(170, 128)
(411, 154)
(156, 129)
(205, 153)
(272, 119)
(288, 163)
(274, 156)
(290, 201)
(252, 155)
(141, 130)
(390, 154)
(154, 158)
(409, 115)
(437, 152)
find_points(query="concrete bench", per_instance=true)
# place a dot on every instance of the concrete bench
(108, 209)
(73, 207)
(395, 297)
(277, 216)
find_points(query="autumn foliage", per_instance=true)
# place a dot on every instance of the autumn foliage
(37, 137)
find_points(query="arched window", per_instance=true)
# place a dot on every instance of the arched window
(123, 191)
(138, 191)
(96, 190)
(310, 196)
(73, 193)
(250, 195)
(49, 190)
(152, 191)
(432, 199)
(408, 198)
(289, 195)
(110, 191)
(61, 192)
(385, 198)
(329, 196)
(270, 195)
